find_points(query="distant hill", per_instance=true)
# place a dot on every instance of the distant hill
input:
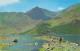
(16, 22)
(66, 23)
(40, 13)
(72, 7)
(68, 9)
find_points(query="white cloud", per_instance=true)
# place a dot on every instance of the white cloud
(60, 8)
(6, 2)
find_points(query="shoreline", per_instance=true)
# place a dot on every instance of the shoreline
(57, 45)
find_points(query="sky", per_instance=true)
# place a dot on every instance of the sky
(26, 5)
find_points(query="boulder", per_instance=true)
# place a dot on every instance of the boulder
(15, 40)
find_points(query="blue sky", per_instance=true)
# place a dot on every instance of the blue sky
(25, 5)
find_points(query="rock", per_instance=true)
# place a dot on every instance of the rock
(36, 43)
(15, 40)
(58, 43)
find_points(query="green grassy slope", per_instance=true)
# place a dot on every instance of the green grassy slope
(66, 23)
(15, 22)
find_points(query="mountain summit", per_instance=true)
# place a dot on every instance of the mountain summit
(66, 23)
(39, 13)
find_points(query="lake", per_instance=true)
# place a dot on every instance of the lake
(23, 39)
(70, 38)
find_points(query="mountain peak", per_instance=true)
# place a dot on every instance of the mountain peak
(37, 13)
(37, 7)
(34, 9)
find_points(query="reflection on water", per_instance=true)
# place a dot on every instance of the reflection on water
(29, 39)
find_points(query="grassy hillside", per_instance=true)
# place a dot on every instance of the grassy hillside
(15, 22)
(66, 23)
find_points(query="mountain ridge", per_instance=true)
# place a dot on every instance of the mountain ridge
(66, 23)
(40, 13)
(15, 22)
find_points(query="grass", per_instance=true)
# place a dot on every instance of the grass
(41, 49)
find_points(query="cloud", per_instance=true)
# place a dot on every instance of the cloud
(6, 2)
(60, 8)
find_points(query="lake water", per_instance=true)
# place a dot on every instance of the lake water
(70, 38)
(23, 39)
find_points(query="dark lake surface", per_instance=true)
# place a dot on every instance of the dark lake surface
(23, 39)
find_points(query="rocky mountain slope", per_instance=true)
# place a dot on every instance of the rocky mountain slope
(39, 13)
(66, 23)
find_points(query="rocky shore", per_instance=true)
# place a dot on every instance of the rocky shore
(57, 44)
(4, 37)
(2, 45)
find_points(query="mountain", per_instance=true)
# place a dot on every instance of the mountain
(66, 23)
(15, 22)
(68, 9)
(72, 7)
(40, 13)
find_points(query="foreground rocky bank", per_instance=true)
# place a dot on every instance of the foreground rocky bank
(57, 44)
